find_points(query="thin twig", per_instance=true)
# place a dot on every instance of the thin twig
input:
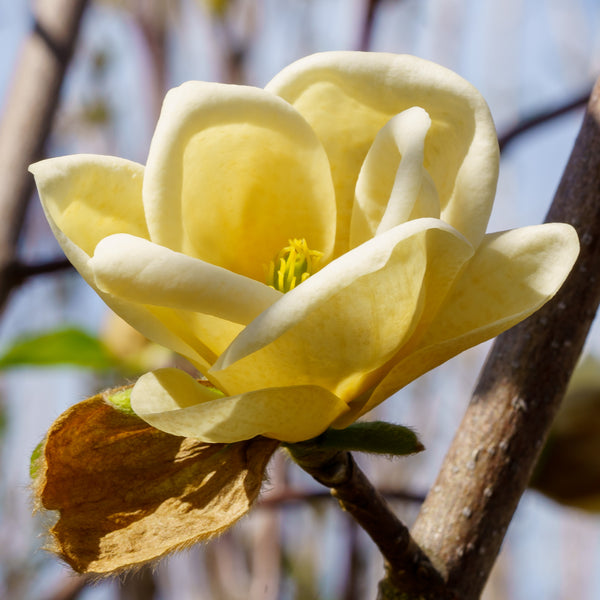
(367, 30)
(70, 588)
(234, 47)
(465, 516)
(151, 17)
(139, 585)
(18, 272)
(28, 116)
(411, 569)
(301, 497)
(356, 564)
(540, 118)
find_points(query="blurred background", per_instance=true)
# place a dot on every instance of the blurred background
(533, 60)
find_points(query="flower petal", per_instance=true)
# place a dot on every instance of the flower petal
(347, 320)
(512, 274)
(393, 186)
(106, 192)
(176, 403)
(233, 173)
(137, 270)
(350, 96)
(89, 197)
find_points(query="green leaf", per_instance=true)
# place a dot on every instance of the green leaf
(68, 346)
(120, 398)
(36, 459)
(373, 437)
(3, 421)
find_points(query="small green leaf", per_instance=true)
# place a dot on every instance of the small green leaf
(3, 421)
(68, 346)
(120, 399)
(373, 437)
(35, 460)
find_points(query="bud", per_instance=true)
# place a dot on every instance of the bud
(569, 467)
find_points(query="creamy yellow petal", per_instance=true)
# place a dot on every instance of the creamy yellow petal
(347, 97)
(86, 198)
(393, 186)
(512, 275)
(233, 173)
(207, 335)
(351, 317)
(174, 402)
(89, 197)
(137, 270)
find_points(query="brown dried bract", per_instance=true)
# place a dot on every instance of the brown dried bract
(127, 493)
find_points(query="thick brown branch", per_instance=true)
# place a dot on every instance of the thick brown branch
(465, 516)
(411, 569)
(28, 115)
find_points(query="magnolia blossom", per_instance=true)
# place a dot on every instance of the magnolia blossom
(310, 247)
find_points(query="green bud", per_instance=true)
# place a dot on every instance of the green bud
(121, 399)
(372, 437)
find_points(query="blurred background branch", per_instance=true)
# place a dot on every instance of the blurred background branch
(28, 114)
(368, 25)
(70, 588)
(541, 117)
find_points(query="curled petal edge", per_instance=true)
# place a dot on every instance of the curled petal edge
(546, 253)
(176, 403)
(140, 271)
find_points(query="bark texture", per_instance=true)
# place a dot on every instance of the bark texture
(466, 514)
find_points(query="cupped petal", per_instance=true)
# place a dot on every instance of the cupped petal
(351, 317)
(512, 274)
(89, 197)
(233, 173)
(350, 96)
(393, 185)
(139, 271)
(176, 403)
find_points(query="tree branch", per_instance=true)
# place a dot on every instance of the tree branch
(151, 16)
(291, 496)
(504, 139)
(17, 272)
(28, 115)
(465, 516)
(409, 567)
(70, 588)
(367, 30)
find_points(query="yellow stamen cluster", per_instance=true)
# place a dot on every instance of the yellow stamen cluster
(293, 264)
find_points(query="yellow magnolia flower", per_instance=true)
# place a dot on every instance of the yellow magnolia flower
(362, 183)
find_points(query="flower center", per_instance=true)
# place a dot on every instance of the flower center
(293, 264)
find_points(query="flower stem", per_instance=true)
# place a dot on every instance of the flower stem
(409, 569)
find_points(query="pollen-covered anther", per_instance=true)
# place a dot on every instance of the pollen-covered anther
(292, 265)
